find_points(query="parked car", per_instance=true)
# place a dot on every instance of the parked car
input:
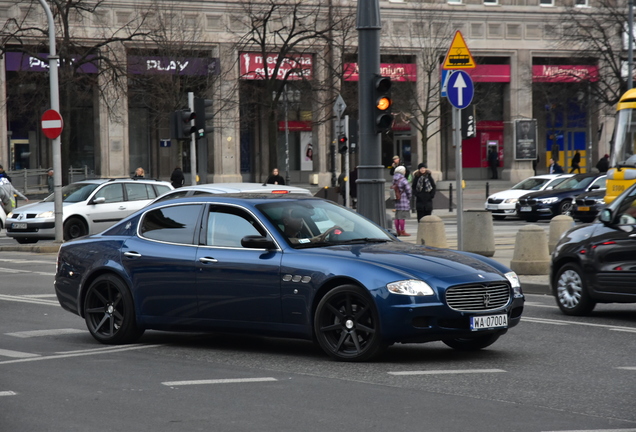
(548, 203)
(595, 263)
(278, 265)
(588, 205)
(89, 206)
(223, 188)
(502, 204)
(3, 218)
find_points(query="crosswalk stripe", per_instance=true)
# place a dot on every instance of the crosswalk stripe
(50, 332)
(7, 393)
(16, 354)
(443, 372)
(24, 299)
(217, 381)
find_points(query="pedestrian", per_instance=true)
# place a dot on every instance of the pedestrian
(275, 178)
(603, 164)
(11, 192)
(423, 189)
(555, 168)
(3, 173)
(493, 162)
(576, 160)
(139, 173)
(402, 190)
(49, 180)
(176, 178)
(397, 163)
(535, 163)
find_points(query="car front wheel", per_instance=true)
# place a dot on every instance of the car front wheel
(565, 207)
(26, 240)
(346, 325)
(472, 344)
(109, 311)
(571, 291)
(74, 228)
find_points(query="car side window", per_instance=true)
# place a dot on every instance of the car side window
(174, 195)
(112, 193)
(227, 226)
(138, 191)
(161, 189)
(175, 224)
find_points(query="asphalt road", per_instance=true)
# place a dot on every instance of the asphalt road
(550, 373)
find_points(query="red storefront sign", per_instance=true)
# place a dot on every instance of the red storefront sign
(398, 72)
(296, 67)
(564, 74)
(295, 126)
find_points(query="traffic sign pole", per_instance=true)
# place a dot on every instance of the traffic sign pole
(457, 140)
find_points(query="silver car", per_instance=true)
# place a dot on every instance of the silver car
(89, 207)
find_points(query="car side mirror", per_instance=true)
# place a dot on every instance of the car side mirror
(99, 200)
(257, 242)
(605, 216)
(595, 187)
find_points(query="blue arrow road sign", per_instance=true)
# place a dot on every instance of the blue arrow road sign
(460, 89)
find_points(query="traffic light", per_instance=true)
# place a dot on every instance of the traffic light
(180, 127)
(382, 98)
(342, 144)
(202, 116)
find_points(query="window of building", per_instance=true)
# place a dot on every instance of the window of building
(491, 2)
(546, 2)
(454, 1)
(581, 3)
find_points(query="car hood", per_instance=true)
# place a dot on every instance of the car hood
(554, 193)
(421, 262)
(39, 207)
(507, 194)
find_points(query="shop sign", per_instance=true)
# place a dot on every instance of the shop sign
(295, 126)
(162, 65)
(295, 67)
(17, 61)
(564, 74)
(398, 72)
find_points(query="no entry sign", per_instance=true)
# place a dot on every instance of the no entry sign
(52, 124)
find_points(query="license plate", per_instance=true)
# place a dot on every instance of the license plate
(488, 322)
(583, 208)
(491, 207)
(525, 209)
(17, 225)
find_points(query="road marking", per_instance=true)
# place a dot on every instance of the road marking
(26, 261)
(7, 393)
(627, 368)
(24, 299)
(596, 430)
(442, 372)
(51, 332)
(38, 295)
(80, 354)
(217, 381)
(560, 322)
(541, 305)
(16, 354)
(16, 271)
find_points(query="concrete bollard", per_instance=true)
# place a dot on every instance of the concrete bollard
(531, 255)
(558, 225)
(431, 232)
(478, 235)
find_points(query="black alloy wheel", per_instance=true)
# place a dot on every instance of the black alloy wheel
(74, 228)
(109, 311)
(346, 325)
(472, 344)
(571, 291)
(565, 207)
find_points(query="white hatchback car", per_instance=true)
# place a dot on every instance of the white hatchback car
(89, 207)
(502, 204)
(231, 188)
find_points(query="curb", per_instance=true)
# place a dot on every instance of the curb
(53, 249)
(535, 288)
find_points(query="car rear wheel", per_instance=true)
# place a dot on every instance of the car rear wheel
(571, 291)
(346, 325)
(472, 344)
(74, 228)
(27, 240)
(109, 311)
(498, 217)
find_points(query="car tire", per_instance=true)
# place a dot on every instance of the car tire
(530, 219)
(498, 217)
(109, 311)
(74, 228)
(571, 292)
(587, 219)
(565, 207)
(26, 240)
(472, 344)
(347, 326)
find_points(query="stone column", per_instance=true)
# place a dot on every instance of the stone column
(4, 138)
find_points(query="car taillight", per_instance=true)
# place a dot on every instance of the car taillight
(280, 191)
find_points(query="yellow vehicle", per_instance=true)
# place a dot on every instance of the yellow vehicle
(622, 173)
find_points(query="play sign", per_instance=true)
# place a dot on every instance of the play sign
(52, 124)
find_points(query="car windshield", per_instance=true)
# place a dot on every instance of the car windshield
(575, 183)
(75, 192)
(313, 223)
(531, 183)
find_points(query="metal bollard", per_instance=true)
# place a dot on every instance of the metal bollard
(487, 190)
(450, 197)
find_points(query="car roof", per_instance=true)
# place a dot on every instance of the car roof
(223, 188)
(119, 179)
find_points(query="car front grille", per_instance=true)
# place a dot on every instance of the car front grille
(478, 297)
(527, 201)
(27, 215)
(494, 201)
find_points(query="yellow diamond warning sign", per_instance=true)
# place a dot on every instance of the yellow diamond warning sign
(458, 55)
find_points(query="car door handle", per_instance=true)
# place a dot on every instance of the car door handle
(207, 260)
(122, 208)
(132, 254)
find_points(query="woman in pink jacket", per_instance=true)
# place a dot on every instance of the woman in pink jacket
(402, 205)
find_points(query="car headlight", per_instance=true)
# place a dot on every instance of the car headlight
(511, 200)
(10, 215)
(410, 287)
(514, 282)
(46, 214)
(548, 200)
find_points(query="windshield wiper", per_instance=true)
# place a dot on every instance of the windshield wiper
(363, 240)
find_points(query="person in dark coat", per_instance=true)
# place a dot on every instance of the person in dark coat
(603, 164)
(576, 160)
(493, 163)
(423, 189)
(555, 168)
(397, 163)
(275, 178)
(176, 178)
